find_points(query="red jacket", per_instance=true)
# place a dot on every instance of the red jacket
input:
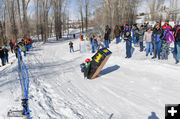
(164, 26)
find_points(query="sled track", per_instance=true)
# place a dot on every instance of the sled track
(69, 98)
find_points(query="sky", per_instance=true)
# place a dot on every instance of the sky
(74, 14)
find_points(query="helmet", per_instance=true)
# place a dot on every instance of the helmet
(87, 60)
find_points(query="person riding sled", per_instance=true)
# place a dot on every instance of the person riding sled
(87, 68)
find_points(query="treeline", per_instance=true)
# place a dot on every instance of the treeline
(44, 18)
(25, 18)
(115, 12)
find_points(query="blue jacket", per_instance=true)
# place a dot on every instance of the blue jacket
(158, 35)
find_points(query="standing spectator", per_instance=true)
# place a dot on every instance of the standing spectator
(117, 34)
(174, 30)
(16, 49)
(145, 27)
(136, 35)
(141, 35)
(106, 39)
(71, 46)
(121, 31)
(108, 29)
(168, 38)
(177, 35)
(157, 37)
(23, 48)
(148, 39)
(6, 55)
(2, 55)
(93, 43)
(128, 40)
(11, 45)
(127, 29)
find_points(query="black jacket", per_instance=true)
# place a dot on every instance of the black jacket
(1, 53)
(71, 45)
(5, 51)
(106, 36)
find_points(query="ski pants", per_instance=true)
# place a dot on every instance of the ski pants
(128, 48)
(148, 48)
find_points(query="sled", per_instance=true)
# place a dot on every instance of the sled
(99, 60)
(15, 113)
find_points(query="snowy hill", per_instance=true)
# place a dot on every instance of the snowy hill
(126, 89)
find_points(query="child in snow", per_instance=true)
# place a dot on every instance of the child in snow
(71, 46)
(128, 40)
(93, 43)
(148, 39)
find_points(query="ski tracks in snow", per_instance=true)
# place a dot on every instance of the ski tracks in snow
(54, 94)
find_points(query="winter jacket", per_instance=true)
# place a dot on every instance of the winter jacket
(23, 48)
(127, 29)
(129, 38)
(117, 32)
(164, 26)
(70, 44)
(5, 51)
(140, 34)
(147, 36)
(2, 53)
(108, 29)
(16, 48)
(136, 33)
(158, 35)
(106, 36)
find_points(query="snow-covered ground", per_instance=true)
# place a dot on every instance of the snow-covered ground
(126, 89)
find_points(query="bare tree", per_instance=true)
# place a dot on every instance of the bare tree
(86, 11)
(81, 4)
(155, 6)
